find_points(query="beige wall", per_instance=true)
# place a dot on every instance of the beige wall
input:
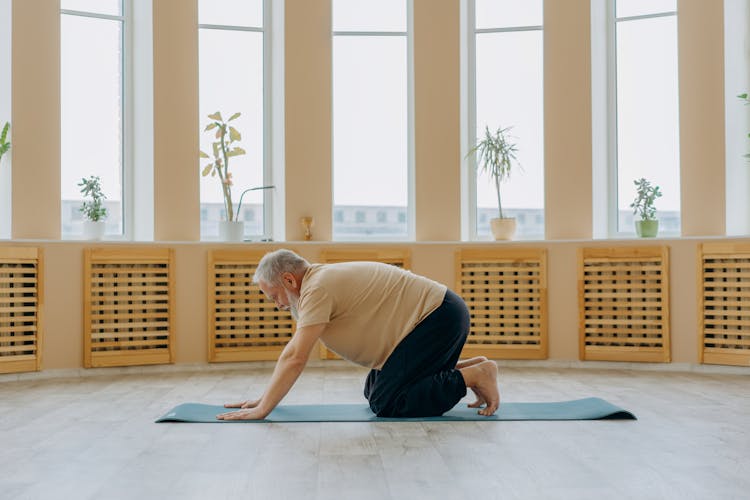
(176, 177)
(568, 162)
(702, 143)
(437, 120)
(567, 120)
(309, 185)
(36, 119)
(63, 309)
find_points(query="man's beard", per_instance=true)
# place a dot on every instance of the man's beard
(292, 299)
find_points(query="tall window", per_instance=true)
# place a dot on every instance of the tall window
(645, 124)
(233, 73)
(371, 119)
(506, 90)
(92, 100)
(5, 69)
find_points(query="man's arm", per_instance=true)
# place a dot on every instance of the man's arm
(288, 368)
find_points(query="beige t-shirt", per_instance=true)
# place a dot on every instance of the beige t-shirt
(369, 307)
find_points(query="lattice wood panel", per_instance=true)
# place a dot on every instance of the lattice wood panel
(724, 303)
(21, 300)
(399, 257)
(506, 292)
(243, 324)
(624, 304)
(128, 306)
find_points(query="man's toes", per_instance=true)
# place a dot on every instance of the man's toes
(476, 404)
(489, 411)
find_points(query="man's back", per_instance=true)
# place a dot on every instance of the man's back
(368, 307)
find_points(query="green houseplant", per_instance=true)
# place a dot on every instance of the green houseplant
(496, 156)
(643, 206)
(224, 147)
(4, 142)
(93, 211)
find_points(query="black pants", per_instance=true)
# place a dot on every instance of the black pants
(419, 379)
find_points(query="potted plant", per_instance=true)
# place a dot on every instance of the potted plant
(93, 211)
(744, 97)
(496, 156)
(224, 148)
(4, 142)
(643, 206)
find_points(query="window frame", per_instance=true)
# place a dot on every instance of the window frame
(268, 218)
(410, 133)
(471, 114)
(126, 112)
(613, 210)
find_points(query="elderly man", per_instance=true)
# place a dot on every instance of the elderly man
(408, 329)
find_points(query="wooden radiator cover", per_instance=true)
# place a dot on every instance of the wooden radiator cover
(506, 293)
(21, 301)
(724, 303)
(243, 324)
(399, 257)
(128, 306)
(624, 304)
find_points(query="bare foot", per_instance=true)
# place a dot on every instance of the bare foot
(481, 378)
(470, 362)
(479, 399)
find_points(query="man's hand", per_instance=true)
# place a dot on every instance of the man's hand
(248, 414)
(252, 412)
(288, 368)
(243, 404)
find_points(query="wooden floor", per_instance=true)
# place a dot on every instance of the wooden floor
(93, 437)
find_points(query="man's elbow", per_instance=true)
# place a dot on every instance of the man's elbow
(296, 360)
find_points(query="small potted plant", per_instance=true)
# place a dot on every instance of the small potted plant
(4, 142)
(496, 156)
(93, 211)
(225, 147)
(643, 206)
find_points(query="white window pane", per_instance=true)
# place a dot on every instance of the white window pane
(512, 96)
(5, 111)
(232, 88)
(370, 139)
(231, 12)
(91, 114)
(627, 8)
(508, 13)
(369, 15)
(109, 7)
(647, 116)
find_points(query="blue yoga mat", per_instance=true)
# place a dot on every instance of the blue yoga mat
(580, 409)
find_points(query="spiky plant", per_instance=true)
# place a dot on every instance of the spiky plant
(4, 142)
(496, 156)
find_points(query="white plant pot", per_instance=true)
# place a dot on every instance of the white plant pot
(231, 230)
(503, 229)
(94, 230)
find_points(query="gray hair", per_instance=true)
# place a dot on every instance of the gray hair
(274, 264)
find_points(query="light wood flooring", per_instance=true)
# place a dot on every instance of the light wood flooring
(93, 437)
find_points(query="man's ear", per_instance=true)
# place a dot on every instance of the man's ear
(289, 280)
